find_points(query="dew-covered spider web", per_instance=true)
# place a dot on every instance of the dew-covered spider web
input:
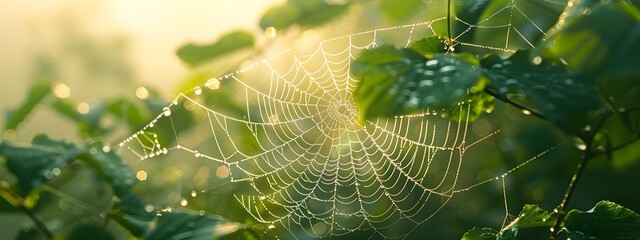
(285, 132)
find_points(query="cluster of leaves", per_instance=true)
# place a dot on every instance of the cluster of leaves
(583, 79)
(606, 220)
(94, 123)
(35, 164)
(300, 13)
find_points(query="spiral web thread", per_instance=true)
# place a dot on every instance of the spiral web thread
(294, 142)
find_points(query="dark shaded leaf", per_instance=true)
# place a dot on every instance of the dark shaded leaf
(129, 211)
(607, 220)
(187, 225)
(83, 232)
(111, 167)
(610, 55)
(401, 81)
(565, 98)
(33, 164)
(37, 93)
(525, 24)
(194, 55)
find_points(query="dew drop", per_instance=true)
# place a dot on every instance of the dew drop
(56, 171)
(537, 60)
(262, 197)
(197, 90)
(183, 202)
(213, 84)
(447, 70)
(166, 111)
(193, 194)
(431, 63)
(426, 82)
(197, 154)
(581, 146)
(271, 32)
(149, 208)
(526, 112)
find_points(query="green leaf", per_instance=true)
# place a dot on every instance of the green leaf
(428, 46)
(36, 95)
(481, 234)
(89, 124)
(33, 165)
(564, 97)
(471, 107)
(187, 225)
(399, 10)
(129, 112)
(194, 55)
(530, 216)
(89, 232)
(607, 220)
(307, 13)
(279, 17)
(111, 167)
(402, 81)
(610, 55)
(129, 211)
(590, 45)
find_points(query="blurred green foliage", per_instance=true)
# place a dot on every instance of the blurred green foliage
(582, 79)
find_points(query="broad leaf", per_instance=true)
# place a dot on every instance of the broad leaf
(34, 165)
(111, 167)
(609, 54)
(429, 46)
(530, 216)
(308, 13)
(402, 81)
(37, 93)
(194, 55)
(565, 98)
(279, 17)
(606, 220)
(187, 225)
(129, 112)
(129, 211)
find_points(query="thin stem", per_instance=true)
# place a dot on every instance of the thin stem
(18, 202)
(449, 39)
(502, 98)
(555, 231)
(577, 176)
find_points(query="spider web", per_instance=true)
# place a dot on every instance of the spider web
(285, 130)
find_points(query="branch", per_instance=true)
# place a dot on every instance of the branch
(493, 93)
(18, 202)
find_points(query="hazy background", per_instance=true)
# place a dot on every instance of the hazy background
(103, 48)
